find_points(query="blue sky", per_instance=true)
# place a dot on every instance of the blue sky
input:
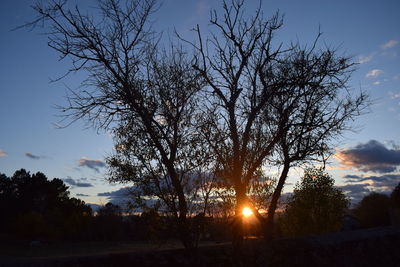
(29, 138)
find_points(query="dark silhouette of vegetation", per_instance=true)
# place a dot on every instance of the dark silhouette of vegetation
(33, 207)
(395, 197)
(395, 205)
(108, 223)
(316, 206)
(181, 123)
(268, 104)
(146, 95)
(373, 210)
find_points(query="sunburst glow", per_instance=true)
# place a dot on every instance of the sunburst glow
(247, 212)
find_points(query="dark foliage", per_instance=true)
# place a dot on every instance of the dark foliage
(316, 206)
(243, 102)
(395, 197)
(269, 103)
(373, 210)
(35, 208)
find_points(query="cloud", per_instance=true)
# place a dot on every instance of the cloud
(119, 197)
(389, 44)
(353, 177)
(359, 186)
(120, 193)
(32, 156)
(382, 182)
(377, 83)
(82, 195)
(364, 59)
(374, 73)
(394, 96)
(355, 188)
(385, 183)
(73, 182)
(355, 191)
(93, 164)
(3, 153)
(371, 156)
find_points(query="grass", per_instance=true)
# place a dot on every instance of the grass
(78, 249)
(24, 252)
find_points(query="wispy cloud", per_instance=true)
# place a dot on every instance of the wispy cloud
(76, 183)
(364, 59)
(394, 95)
(3, 153)
(374, 73)
(32, 156)
(359, 186)
(120, 197)
(389, 44)
(355, 191)
(376, 83)
(371, 156)
(120, 193)
(384, 183)
(93, 164)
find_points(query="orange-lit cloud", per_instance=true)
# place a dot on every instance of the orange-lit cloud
(370, 157)
(3, 153)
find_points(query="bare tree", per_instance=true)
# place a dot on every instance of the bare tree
(317, 109)
(146, 95)
(268, 104)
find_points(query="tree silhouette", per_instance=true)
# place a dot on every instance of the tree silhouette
(315, 207)
(395, 197)
(145, 94)
(269, 104)
(245, 102)
(373, 210)
(38, 208)
(395, 205)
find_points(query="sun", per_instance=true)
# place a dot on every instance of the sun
(247, 212)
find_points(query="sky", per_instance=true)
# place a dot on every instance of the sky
(366, 160)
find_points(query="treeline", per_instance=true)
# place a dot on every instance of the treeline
(317, 207)
(377, 209)
(35, 208)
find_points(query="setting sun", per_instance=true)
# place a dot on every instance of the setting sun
(246, 212)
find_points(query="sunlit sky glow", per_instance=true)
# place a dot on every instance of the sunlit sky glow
(367, 159)
(247, 212)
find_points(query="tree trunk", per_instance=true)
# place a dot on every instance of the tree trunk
(269, 223)
(237, 226)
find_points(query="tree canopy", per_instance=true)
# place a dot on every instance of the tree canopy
(373, 210)
(395, 197)
(269, 103)
(181, 121)
(38, 208)
(315, 207)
